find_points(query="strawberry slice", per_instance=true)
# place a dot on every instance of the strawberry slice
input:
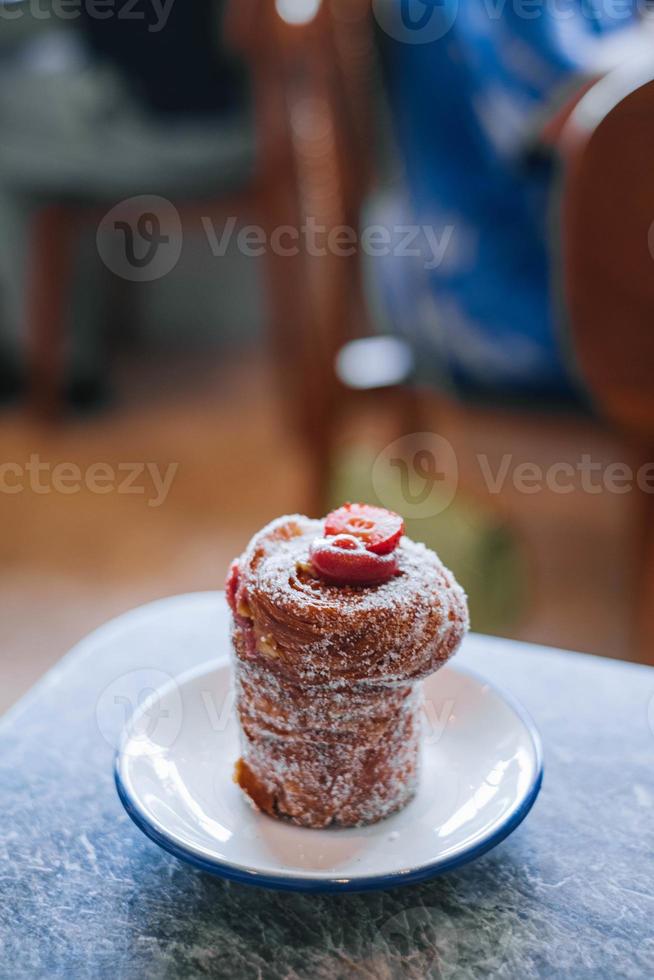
(380, 530)
(232, 584)
(344, 560)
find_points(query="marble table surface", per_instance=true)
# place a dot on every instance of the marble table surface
(84, 894)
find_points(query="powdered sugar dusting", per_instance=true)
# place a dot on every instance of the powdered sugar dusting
(327, 676)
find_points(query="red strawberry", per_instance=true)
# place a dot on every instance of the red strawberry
(231, 585)
(380, 530)
(344, 560)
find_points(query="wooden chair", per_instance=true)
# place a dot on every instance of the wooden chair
(312, 84)
(608, 273)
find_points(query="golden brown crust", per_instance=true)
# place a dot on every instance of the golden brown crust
(317, 783)
(342, 712)
(320, 633)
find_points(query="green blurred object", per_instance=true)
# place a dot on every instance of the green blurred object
(478, 546)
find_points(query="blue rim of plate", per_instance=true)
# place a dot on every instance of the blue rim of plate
(409, 876)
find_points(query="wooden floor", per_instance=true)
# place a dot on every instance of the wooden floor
(68, 563)
(71, 561)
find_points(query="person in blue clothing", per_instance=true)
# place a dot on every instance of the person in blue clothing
(471, 85)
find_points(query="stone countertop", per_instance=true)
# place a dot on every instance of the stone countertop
(83, 893)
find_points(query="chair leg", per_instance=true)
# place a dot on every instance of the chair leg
(300, 299)
(49, 290)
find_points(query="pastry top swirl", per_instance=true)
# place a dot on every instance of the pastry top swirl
(314, 632)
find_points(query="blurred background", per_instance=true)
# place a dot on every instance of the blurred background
(264, 256)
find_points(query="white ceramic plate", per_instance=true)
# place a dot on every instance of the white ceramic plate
(481, 774)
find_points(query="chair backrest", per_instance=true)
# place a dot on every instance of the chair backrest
(309, 63)
(320, 50)
(608, 243)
